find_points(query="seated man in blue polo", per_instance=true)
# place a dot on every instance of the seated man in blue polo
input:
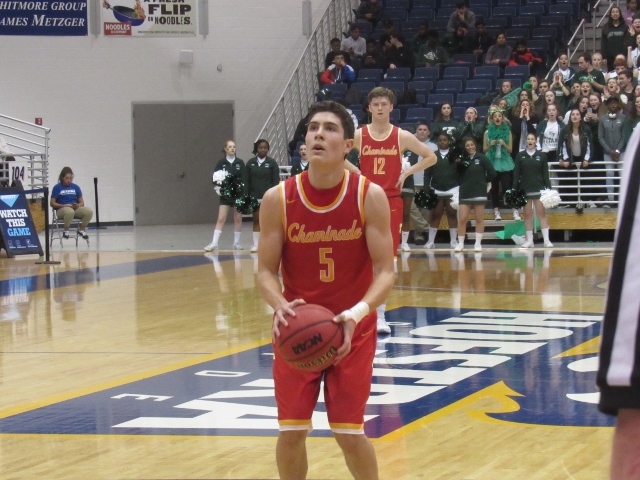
(66, 200)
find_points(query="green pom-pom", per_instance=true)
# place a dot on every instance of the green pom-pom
(527, 86)
(231, 188)
(426, 199)
(247, 204)
(515, 198)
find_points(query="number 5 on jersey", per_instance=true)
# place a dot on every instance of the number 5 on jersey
(327, 274)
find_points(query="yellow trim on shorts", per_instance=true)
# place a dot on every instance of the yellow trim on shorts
(346, 426)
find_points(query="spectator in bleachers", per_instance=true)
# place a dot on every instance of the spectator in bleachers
(538, 104)
(586, 89)
(417, 215)
(444, 178)
(611, 43)
(370, 10)
(500, 53)
(633, 56)
(525, 94)
(632, 9)
(481, 40)
(523, 121)
(419, 39)
(445, 123)
(389, 29)
(612, 89)
(619, 65)
(506, 87)
(611, 139)
(575, 152)
(548, 133)
(432, 54)
(371, 57)
(354, 45)
(304, 162)
(458, 41)
(632, 119)
(531, 174)
(335, 49)
(563, 67)
(561, 93)
(582, 105)
(596, 61)
(587, 73)
(339, 72)
(473, 191)
(535, 86)
(497, 145)
(625, 83)
(472, 126)
(396, 53)
(523, 56)
(629, 38)
(570, 101)
(592, 118)
(462, 15)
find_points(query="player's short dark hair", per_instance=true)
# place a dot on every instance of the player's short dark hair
(381, 92)
(339, 111)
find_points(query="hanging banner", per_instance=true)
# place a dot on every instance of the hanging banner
(149, 18)
(37, 18)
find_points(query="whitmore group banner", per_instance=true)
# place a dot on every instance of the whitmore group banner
(59, 18)
(149, 18)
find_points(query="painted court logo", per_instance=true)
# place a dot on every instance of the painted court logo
(540, 367)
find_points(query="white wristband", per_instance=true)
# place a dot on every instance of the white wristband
(357, 312)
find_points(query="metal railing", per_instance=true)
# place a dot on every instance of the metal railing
(302, 86)
(589, 187)
(29, 147)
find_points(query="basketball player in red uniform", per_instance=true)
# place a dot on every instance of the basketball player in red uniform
(381, 146)
(328, 229)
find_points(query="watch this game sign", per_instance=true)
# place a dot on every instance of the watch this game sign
(149, 18)
(43, 17)
(19, 234)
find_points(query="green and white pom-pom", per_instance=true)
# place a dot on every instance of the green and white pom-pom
(426, 199)
(455, 200)
(247, 204)
(231, 188)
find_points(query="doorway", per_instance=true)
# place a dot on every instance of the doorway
(175, 148)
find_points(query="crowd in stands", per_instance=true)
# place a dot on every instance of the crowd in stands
(452, 65)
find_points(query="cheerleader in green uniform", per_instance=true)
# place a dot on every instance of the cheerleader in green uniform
(498, 145)
(473, 192)
(531, 174)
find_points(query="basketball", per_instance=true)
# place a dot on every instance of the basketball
(311, 340)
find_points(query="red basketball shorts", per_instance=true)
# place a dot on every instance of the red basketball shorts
(346, 386)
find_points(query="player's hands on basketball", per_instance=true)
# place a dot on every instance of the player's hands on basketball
(278, 316)
(348, 327)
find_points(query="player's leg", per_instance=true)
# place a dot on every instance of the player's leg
(291, 455)
(237, 229)
(359, 455)
(462, 225)
(223, 211)
(397, 209)
(625, 455)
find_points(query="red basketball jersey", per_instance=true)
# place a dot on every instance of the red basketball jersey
(325, 259)
(381, 160)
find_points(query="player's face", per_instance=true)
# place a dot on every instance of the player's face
(470, 147)
(230, 149)
(380, 107)
(325, 139)
(531, 141)
(303, 152)
(422, 133)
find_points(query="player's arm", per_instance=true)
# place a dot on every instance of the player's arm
(410, 142)
(380, 245)
(356, 144)
(269, 255)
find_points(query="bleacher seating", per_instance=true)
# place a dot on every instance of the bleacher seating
(437, 99)
(401, 74)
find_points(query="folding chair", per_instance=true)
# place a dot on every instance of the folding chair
(57, 228)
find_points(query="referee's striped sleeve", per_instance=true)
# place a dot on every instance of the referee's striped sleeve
(619, 369)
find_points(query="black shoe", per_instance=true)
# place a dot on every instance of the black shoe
(65, 235)
(84, 235)
(420, 239)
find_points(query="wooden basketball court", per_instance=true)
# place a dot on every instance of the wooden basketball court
(154, 365)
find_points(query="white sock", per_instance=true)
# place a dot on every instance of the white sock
(432, 234)
(380, 310)
(529, 235)
(236, 237)
(479, 238)
(460, 239)
(405, 237)
(545, 234)
(256, 238)
(216, 236)
(453, 233)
